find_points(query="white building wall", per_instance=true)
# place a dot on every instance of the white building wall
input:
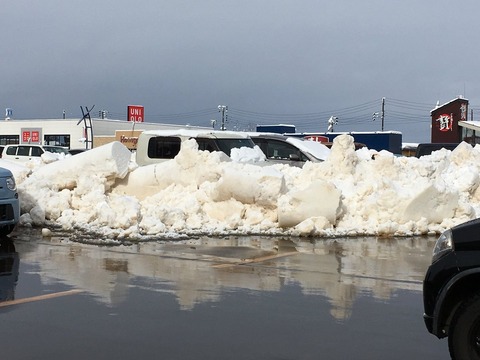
(77, 133)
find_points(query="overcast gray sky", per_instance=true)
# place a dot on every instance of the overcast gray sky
(269, 61)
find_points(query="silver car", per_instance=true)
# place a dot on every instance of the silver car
(289, 150)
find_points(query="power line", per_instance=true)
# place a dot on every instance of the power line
(396, 111)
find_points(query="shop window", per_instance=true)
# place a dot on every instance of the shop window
(9, 139)
(57, 140)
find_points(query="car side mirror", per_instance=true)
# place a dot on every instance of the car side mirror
(294, 157)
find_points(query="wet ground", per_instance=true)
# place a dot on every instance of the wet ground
(207, 298)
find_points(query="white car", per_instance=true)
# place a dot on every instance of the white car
(22, 153)
(156, 146)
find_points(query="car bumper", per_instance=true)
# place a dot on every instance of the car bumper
(9, 211)
(434, 285)
(428, 322)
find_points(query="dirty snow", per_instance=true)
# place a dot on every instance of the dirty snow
(361, 192)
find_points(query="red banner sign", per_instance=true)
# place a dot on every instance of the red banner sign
(135, 113)
(30, 136)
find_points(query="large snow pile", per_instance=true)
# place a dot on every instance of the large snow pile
(351, 193)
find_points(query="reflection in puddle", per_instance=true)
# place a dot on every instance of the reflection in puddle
(199, 270)
(9, 266)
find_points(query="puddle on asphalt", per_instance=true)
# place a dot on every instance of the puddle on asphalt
(211, 298)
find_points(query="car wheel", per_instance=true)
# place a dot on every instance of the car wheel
(464, 331)
(5, 230)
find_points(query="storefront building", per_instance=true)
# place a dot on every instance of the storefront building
(75, 134)
(450, 123)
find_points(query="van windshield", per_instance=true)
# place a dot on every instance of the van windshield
(56, 149)
(226, 145)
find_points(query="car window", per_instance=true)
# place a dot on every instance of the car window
(226, 145)
(56, 149)
(36, 151)
(281, 150)
(12, 150)
(23, 151)
(160, 147)
(206, 144)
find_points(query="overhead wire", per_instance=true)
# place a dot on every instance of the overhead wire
(396, 112)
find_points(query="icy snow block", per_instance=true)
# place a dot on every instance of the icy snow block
(109, 161)
(320, 198)
(432, 205)
(250, 184)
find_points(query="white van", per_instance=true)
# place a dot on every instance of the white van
(22, 153)
(160, 145)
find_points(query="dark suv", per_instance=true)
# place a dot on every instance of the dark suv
(451, 290)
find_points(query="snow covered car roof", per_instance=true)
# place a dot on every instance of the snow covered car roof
(194, 133)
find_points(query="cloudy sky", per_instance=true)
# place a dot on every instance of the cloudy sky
(270, 61)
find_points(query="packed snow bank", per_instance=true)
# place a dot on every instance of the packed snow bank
(74, 182)
(361, 192)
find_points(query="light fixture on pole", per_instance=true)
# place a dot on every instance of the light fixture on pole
(332, 121)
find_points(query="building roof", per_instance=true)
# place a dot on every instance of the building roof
(474, 125)
(459, 97)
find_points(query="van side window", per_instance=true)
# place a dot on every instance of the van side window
(281, 150)
(36, 151)
(160, 147)
(23, 150)
(226, 145)
(12, 150)
(206, 144)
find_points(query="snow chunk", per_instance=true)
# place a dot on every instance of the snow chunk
(319, 199)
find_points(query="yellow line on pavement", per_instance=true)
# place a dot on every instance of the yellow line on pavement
(38, 298)
(255, 260)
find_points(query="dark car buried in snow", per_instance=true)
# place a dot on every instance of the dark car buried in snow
(9, 203)
(451, 290)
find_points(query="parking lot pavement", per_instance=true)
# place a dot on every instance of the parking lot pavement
(287, 298)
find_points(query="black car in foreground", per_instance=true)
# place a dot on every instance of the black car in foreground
(451, 290)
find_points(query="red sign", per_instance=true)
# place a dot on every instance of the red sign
(135, 113)
(30, 136)
(318, 138)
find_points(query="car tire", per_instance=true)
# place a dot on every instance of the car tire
(464, 331)
(5, 230)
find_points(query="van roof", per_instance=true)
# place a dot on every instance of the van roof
(197, 133)
(428, 148)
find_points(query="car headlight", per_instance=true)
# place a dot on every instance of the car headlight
(443, 245)
(11, 183)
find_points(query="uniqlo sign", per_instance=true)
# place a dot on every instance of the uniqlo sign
(31, 136)
(135, 113)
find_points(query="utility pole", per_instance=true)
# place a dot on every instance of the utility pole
(383, 111)
(223, 109)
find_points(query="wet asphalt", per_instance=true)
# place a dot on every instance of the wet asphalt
(214, 298)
